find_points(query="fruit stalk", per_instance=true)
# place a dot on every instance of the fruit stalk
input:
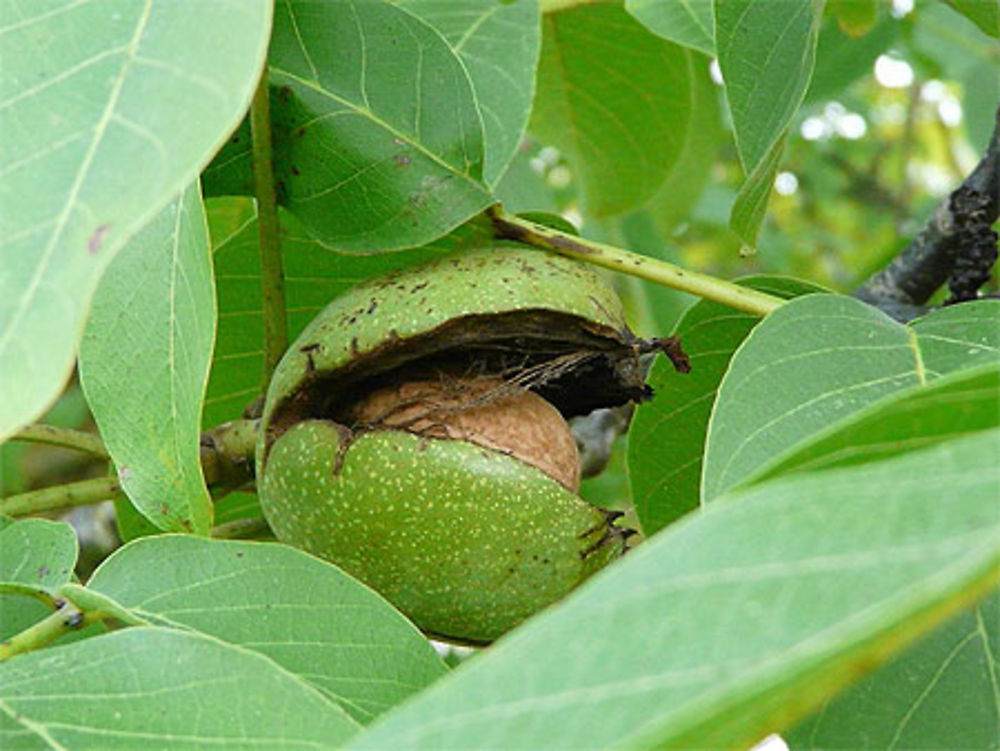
(654, 270)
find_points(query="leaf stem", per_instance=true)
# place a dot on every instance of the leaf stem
(65, 619)
(272, 277)
(227, 456)
(82, 493)
(633, 264)
(80, 440)
(243, 529)
(75, 608)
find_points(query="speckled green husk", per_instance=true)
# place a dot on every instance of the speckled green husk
(416, 300)
(466, 541)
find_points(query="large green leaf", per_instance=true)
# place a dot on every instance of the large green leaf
(107, 109)
(687, 22)
(737, 620)
(671, 205)
(615, 99)
(822, 358)
(164, 689)
(667, 436)
(306, 615)
(378, 140)
(36, 554)
(959, 403)
(314, 275)
(766, 53)
(941, 693)
(144, 364)
(498, 42)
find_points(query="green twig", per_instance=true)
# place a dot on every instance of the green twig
(243, 529)
(227, 455)
(67, 618)
(90, 443)
(272, 278)
(82, 493)
(644, 267)
(99, 607)
(75, 608)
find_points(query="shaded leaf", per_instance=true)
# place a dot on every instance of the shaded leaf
(684, 185)
(686, 22)
(766, 53)
(306, 615)
(144, 364)
(615, 99)
(750, 205)
(940, 693)
(37, 554)
(130, 523)
(983, 13)
(90, 154)
(667, 436)
(378, 141)
(499, 43)
(855, 17)
(841, 60)
(822, 358)
(162, 688)
(737, 620)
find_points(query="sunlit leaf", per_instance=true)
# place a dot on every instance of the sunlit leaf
(737, 620)
(822, 358)
(667, 436)
(956, 404)
(306, 615)
(161, 688)
(37, 554)
(91, 151)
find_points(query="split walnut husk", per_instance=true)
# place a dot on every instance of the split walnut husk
(415, 435)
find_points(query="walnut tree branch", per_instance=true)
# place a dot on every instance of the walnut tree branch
(902, 287)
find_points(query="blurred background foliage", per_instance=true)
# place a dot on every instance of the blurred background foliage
(894, 118)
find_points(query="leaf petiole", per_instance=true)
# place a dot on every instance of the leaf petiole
(644, 267)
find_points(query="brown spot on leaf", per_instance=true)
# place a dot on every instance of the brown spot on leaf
(97, 239)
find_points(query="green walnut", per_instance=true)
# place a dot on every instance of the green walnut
(415, 435)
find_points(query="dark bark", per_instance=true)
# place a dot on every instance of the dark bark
(956, 244)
